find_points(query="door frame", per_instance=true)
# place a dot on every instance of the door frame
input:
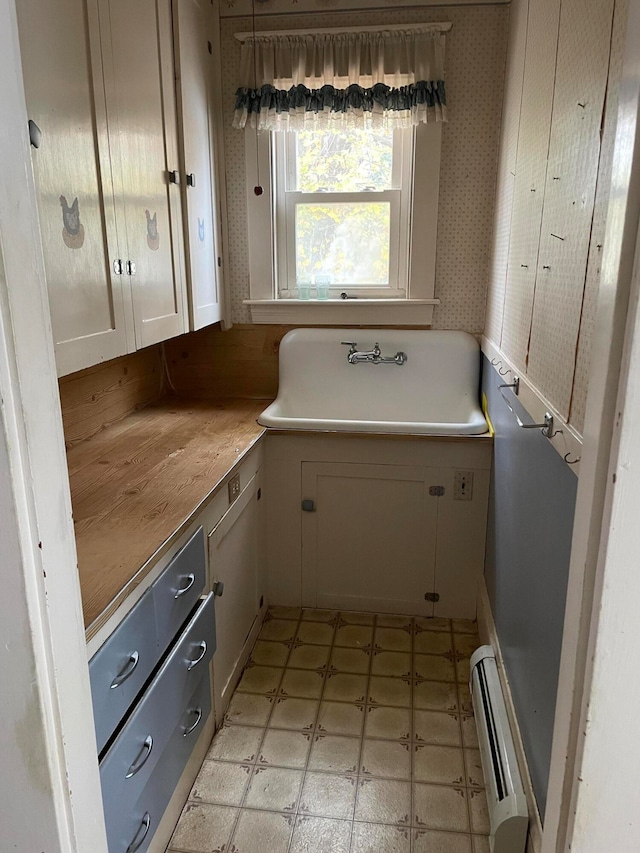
(47, 750)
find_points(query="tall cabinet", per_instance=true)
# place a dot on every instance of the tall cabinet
(131, 248)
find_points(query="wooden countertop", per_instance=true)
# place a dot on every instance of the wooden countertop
(137, 484)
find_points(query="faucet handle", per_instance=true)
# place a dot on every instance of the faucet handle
(349, 343)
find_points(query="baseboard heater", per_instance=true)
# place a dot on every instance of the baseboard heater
(508, 814)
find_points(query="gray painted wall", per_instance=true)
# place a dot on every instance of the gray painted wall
(531, 509)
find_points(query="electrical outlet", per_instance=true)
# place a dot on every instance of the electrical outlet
(234, 488)
(463, 485)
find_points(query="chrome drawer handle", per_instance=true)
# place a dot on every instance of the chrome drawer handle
(191, 578)
(142, 758)
(193, 663)
(136, 844)
(129, 667)
(198, 713)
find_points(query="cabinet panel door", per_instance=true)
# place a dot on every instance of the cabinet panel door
(193, 42)
(234, 560)
(143, 135)
(370, 541)
(88, 301)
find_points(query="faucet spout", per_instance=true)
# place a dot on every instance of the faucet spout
(373, 356)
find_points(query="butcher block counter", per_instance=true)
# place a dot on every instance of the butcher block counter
(136, 486)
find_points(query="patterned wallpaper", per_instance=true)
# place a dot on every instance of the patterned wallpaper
(475, 65)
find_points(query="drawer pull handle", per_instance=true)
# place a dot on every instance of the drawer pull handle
(142, 758)
(137, 843)
(198, 713)
(191, 579)
(203, 650)
(129, 667)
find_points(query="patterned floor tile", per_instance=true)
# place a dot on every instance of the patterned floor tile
(204, 828)
(321, 835)
(328, 795)
(236, 743)
(258, 830)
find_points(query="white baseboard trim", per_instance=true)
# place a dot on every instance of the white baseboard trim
(489, 635)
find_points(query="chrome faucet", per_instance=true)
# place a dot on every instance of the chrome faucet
(373, 356)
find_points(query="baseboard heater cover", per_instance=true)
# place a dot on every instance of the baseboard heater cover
(508, 813)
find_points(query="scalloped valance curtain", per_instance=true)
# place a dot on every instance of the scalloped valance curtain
(388, 79)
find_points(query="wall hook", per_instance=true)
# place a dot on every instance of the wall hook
(504, 373)
(571, 461)
(515, 385)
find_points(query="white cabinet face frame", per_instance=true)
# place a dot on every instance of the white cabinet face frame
(194, 80)
(137, 46)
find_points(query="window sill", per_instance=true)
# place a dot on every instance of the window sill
(361, 312)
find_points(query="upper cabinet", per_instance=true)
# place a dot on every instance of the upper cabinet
(194, 67)
(124, 269)
(89, 300)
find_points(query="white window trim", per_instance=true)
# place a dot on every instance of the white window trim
(415, 309)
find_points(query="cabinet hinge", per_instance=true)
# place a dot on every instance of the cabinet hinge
(436, 491)
(432, 596)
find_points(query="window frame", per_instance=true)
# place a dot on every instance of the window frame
(413, 307)
(286, 200)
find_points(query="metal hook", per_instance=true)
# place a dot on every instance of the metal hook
(571, 461)
(515, 385)
(505, 372)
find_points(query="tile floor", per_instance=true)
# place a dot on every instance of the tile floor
(348, 733)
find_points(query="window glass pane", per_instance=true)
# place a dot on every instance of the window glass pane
(347, 242)
(349, 161)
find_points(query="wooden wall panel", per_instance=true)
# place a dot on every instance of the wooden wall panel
(212, 364)
(592, 283)
(531, 168)
(581, 81)
(98, 396)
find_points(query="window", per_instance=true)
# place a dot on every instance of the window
(357, 206)
(342, 209)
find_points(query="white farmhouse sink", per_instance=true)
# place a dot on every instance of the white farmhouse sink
(436, 392)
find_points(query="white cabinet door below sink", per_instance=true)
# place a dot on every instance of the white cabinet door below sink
(370, 541)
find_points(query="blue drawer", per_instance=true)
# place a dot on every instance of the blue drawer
(134, 826)
(121, 666)
(178, 588)
(131, 759)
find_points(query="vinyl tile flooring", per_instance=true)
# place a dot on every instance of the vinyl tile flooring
(347, 733)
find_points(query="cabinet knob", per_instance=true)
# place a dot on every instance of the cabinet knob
(117, 266)
(191, 179)
(174, 177)
(131, 268)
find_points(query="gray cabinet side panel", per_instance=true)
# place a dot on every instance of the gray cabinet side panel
(531, 509)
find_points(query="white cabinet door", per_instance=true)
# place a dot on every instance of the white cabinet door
(234, 560)
(369, 541)
(88, 300)
(139, 82)
(194, 59)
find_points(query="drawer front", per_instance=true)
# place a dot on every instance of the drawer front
(130, 762)
(178, 588)
(120, 667)
(138, 823)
